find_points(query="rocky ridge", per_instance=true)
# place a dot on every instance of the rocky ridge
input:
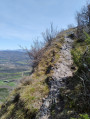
(62, 71)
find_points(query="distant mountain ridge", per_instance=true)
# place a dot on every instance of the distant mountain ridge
(20, 50)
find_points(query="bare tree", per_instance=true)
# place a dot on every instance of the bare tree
(80, 26)
(83, 21)
(89, 17)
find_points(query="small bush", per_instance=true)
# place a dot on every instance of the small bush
(82, 116)
(26, 80)
(77, 53)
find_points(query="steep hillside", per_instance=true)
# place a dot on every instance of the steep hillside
(76, 93)
(59, 87)
(26, 100)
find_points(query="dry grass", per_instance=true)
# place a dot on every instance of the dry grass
(26, 100)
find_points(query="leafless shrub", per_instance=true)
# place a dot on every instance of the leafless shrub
(49, 34)
(38, 48)
(35, 53)
(70, 26)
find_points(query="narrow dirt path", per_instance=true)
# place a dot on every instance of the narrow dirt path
(62, 71)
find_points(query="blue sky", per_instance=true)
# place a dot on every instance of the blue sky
(21, 21)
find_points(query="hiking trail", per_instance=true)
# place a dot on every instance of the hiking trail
(62, 71)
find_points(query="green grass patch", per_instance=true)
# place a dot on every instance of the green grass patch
(3, 94)
(2, 83)
(19, 62)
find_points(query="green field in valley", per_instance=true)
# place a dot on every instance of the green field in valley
(13, 66)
